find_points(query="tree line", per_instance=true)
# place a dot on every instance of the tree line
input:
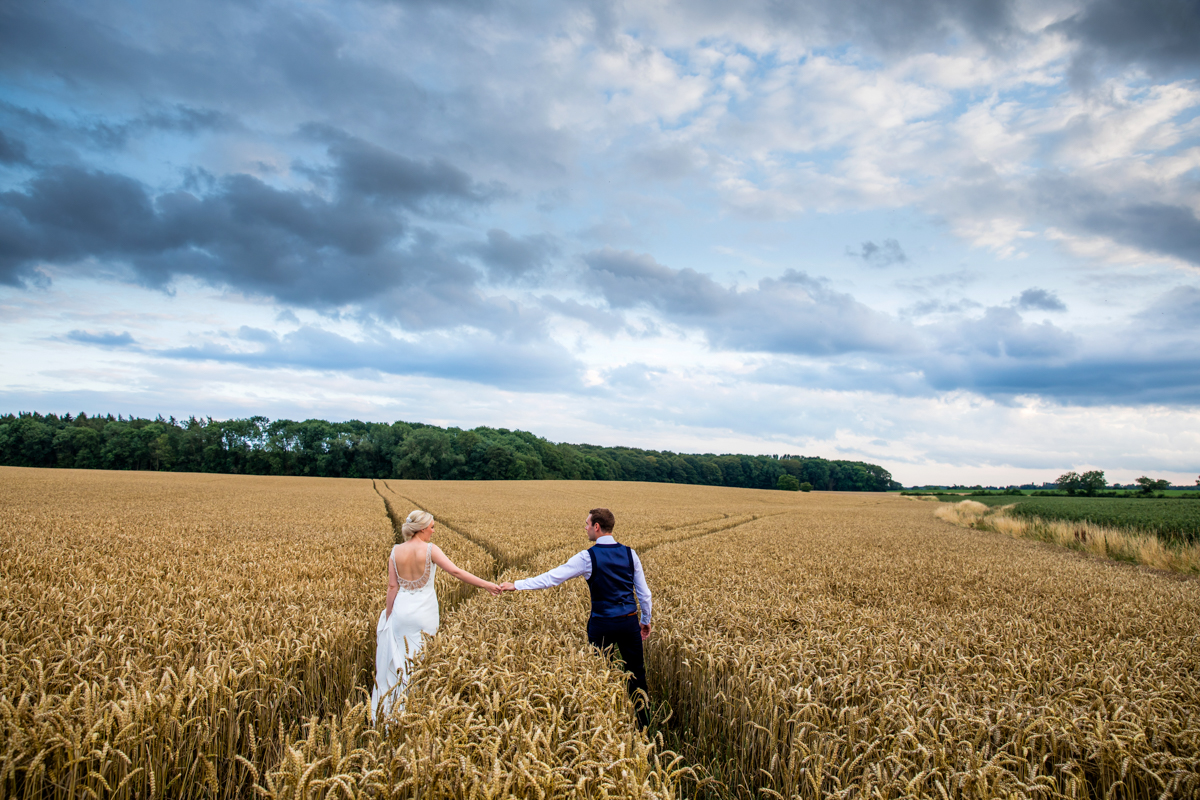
(408, 450)
(1092, 484)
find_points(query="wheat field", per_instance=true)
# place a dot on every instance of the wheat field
(174, 635)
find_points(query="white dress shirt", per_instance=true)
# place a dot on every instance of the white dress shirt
(580, 566)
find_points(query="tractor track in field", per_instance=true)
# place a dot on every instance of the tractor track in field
(499, 561)
(708, 531)
(502, 562)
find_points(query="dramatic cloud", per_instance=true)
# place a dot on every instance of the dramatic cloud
(636, 378)
(363, 170)
(995, 354)
(1134, 379)
(926, 307)
(295, 245)
(1156, 227)
(791, 314)
(217, 53)
(509, 258)
(1161, 34)
(894, 28)
(880, 255)
(526, 367)
(1175, 313)
(103, 339)
(1005, 367)
(118, 134)
(1040, 300)
(12, 151)
(1001, 332)
(1157, 33)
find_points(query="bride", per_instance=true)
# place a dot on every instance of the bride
(412, 607)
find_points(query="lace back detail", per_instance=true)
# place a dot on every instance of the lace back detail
(420, 582)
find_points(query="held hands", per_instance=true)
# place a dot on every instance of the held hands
(495, 590)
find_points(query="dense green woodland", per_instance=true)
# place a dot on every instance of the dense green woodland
(259, 446)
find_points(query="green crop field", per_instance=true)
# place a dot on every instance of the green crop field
(1174, 519)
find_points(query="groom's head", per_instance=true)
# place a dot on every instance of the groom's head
(603, 519)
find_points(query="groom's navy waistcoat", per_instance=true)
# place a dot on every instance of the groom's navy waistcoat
(611, 583)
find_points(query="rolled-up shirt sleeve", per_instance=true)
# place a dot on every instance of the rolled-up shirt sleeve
(578, 565)
(641, 589)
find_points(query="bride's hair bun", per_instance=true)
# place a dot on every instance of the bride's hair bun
(416, 521)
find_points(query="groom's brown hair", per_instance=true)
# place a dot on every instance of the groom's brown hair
(604, 518)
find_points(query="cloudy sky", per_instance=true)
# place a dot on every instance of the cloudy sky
(959, 239)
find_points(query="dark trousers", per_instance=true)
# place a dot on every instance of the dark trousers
(625, 635)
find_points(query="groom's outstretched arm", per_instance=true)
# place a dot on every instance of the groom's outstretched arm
(579, 565)
(642, 590)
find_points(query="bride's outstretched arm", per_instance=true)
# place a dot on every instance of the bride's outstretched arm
(449, 566)
(393, 589)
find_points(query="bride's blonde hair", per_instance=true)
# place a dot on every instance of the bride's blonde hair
(416, 522)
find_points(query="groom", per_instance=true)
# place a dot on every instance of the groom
(614, 576)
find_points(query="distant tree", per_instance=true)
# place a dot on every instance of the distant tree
(427, 453)
(806, 487)
(1151, 485)
(502, 464)
(816, 471)
(711, 473)
(788, 483)
(1069, 482)
(1092, 482)
(162, 455)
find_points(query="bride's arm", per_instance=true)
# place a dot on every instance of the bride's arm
(446, 564)
(393, 588)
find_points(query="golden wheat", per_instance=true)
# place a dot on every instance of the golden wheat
(866, 650)
(213, 636)
(853, 646)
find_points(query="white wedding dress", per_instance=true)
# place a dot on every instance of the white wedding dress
(398, 637)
